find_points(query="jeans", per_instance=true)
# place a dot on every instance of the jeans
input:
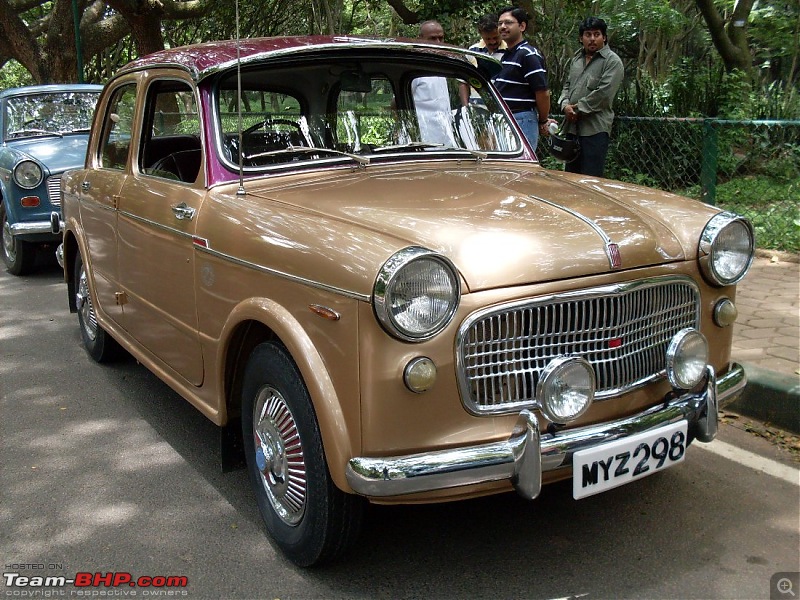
(528, 121)
(592, 159)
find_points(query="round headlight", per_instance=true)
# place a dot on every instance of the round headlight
(687, 357)
(566, 389)
(28, 174)
(727, 247)
(416, 294)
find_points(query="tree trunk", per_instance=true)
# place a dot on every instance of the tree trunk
(730, 39)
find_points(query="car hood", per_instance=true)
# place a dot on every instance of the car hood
(508, 225)
(56, 153)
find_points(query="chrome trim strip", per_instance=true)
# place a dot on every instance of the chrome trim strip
(30, 227)
(527, 453)
(289, 276)
(612, 249)
(251, 265)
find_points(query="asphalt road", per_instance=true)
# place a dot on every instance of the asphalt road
(105, 469)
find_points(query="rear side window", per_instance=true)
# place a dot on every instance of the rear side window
(117, 128)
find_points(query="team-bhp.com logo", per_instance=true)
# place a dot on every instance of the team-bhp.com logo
(112, 579)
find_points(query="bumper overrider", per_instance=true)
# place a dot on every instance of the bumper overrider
(528, 452)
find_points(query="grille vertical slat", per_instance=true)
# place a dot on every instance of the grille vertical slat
(623, 331)
(54, 190)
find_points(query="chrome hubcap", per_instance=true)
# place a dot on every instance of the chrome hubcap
(85, 309)
(8, 242)
(279, 455)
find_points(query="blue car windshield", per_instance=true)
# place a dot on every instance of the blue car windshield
(53, 113)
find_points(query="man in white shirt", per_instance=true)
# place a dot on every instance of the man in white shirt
(432, 97)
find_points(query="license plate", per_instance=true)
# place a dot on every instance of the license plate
(616, 463)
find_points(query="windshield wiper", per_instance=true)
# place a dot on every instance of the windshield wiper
(423, 145)
(362, 160)
(22, 132)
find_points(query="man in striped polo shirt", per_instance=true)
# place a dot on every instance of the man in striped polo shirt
(522, 81)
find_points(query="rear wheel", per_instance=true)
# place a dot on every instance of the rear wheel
(310, 519)
(18, 256)
(100, 346)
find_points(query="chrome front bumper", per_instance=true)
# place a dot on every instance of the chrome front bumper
(528, 453)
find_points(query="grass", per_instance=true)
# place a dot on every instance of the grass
(771, 204)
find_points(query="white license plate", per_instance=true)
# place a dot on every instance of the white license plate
(613, 464)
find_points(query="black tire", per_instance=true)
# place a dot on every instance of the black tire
(308, 517)
(18, 256)
(100, 346)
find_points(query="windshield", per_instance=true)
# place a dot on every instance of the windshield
(366, 110)
(53, 113)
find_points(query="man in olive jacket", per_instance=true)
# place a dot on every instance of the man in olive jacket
(595, 74)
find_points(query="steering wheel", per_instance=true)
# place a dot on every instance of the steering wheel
(271, 123)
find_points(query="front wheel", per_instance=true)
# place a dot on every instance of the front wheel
(100, 346)
(18, 256)
(310, 519)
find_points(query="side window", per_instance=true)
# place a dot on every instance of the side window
(117, 128)
(170, 144)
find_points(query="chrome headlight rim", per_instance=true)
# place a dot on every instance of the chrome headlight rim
(387, 277)
(675, 354)
(21, 181)
(708, 250)
(550, 372)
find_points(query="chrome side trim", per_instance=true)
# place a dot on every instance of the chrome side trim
(284, 275)
(527, 453)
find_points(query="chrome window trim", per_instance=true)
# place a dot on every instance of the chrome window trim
(603, 291)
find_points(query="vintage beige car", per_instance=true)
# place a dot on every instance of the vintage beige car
(367, 280)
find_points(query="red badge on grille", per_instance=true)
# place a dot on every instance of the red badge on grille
(615, 343)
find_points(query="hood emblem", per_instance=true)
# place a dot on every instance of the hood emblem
(612, 249)
(614, 257)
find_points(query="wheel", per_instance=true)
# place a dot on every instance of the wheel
(19, 256)
(308, 517)
(100, 346)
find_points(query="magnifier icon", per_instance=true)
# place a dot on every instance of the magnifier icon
(784, 586)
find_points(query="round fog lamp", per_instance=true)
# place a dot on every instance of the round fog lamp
(420, 374)
(687, 357)
(566, 389)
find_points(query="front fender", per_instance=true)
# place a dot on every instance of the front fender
(338, 418)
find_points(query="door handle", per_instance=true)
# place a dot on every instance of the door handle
(182, 212)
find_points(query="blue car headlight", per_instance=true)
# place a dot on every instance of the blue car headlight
(28, 174)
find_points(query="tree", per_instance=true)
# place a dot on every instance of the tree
(729, 33)
(40, 35)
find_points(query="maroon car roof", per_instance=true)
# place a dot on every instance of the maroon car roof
(205, 58)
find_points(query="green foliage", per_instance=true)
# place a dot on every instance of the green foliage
(14, 74)
(770, 204)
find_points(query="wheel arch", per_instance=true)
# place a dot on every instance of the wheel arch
(261, 320)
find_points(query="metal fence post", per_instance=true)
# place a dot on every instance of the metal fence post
(708, 171)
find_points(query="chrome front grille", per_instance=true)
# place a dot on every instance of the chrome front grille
(54, 189)
(622, 330)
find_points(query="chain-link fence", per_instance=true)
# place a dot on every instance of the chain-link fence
(748, 167)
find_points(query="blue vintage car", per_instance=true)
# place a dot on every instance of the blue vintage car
(44, 130)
